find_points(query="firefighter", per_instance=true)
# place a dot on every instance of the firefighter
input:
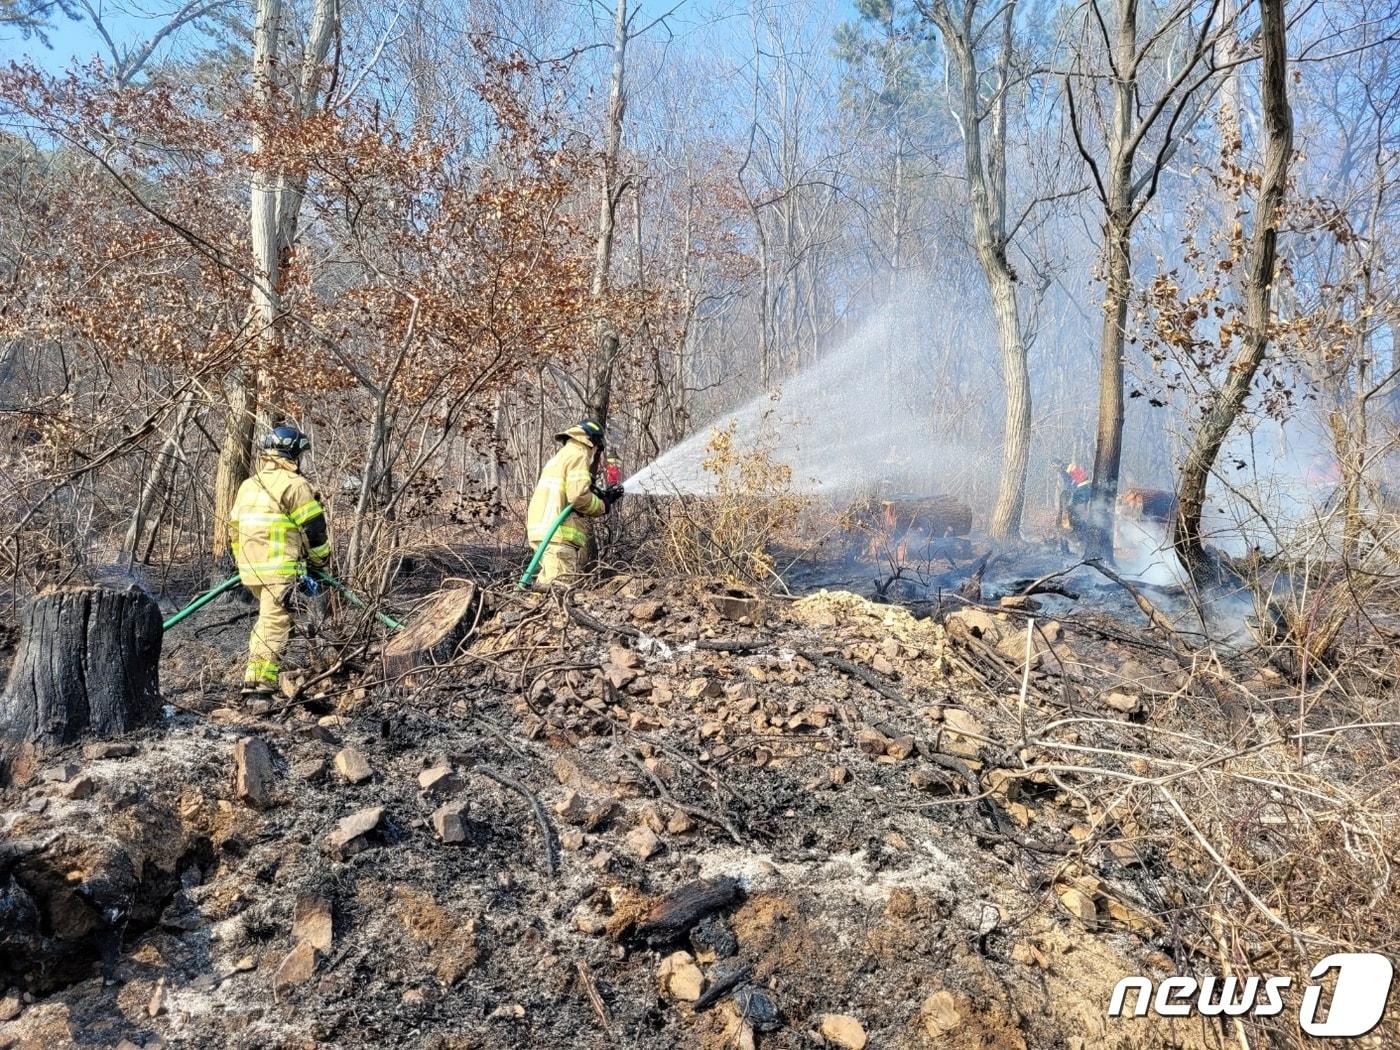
(278, 531)
(1074, 492)
(567, 481)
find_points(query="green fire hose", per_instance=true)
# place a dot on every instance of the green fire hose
(350, 596)
(539, 551)
(355, 600)
(200, 602)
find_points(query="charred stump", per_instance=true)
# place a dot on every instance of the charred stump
(87, 664)
(435, 632)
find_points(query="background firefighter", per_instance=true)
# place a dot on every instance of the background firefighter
(278, 529)
(1073, 495)
(567, 480)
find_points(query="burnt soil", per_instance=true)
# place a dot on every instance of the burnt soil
(854, 768)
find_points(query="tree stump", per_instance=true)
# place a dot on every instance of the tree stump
(87, 664)
(434, 633)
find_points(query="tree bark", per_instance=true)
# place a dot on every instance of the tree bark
(274, 216)
(88, 663)
(1222, 411)
(241, 387)
(435, 633)
(986, 182)
(601, 368)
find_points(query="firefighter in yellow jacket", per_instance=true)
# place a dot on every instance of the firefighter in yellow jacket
(278, 531)
(567, 481)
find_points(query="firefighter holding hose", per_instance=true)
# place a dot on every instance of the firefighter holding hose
(278, 532)
(568, 481)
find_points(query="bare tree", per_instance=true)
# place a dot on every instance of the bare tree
(984, 162)
(1153, 79)
(1224, 407)
(274, 215)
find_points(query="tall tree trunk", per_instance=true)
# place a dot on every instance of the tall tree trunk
(274, 216)
(608, 346)
(241, 386)
(1118, 220)
(986, 182)
(1108, 445)
(1224, 408)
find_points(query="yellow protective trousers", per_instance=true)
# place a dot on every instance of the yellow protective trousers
(270, 634)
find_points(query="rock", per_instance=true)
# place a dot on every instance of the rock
(1121, 702)
(871, 741)
(353, 766)
(353, 832)
(571, 839)
(450, 822)
(60, 773)
(680, 978)
(643, 843)
(621, 656)
(439, 780)
(108, 749)
(645, 612)
(508, 1012)
(310, 770)
(11, 1007)
(757, 1008)
(704, 688)
(156, 1006)
(297, 967)
(940, 1013)
(80, 787)
(880, 664)
(900, 748)
(313, 922)
(961, 730)
(975, 622)
(252, 772)
(589, 814)
(1078, 903)
(843, 1030)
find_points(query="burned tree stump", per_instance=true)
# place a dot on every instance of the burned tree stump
(435, 631)
(87, 664)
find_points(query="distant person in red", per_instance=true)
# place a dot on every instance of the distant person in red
(1074, 492)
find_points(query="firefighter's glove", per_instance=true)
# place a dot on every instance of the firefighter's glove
(612, 494)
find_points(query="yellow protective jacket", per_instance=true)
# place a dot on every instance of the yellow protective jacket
(566, 479)
(277, 525)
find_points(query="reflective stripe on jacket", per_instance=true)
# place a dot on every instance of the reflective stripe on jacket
(277, 524)
(565, 480)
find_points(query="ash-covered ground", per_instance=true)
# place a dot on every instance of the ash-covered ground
(475, 854)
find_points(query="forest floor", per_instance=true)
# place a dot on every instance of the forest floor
(884, 811)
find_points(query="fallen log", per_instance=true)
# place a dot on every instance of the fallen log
(435, 632)
(87, 665)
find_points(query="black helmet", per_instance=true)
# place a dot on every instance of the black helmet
(287, 441)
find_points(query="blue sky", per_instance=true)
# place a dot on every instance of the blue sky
(73, 41)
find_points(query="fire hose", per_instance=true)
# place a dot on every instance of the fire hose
(534, 565)
(228, 584)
